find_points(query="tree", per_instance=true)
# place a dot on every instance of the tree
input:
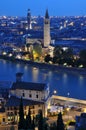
(21, 115)
(54, 60)
(58, 51)
(60, 124)
(37, 51)
(45, 126)
(83, 55)
(28, 120)
(40, 121)
(53, 126)
(68, 53)
(47, 58)
(33, 124)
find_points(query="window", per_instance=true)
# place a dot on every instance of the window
(31, 107)
(39, 105)
(15, 112)
(11, 108)
(7, 108)
(8, 114)
(30, 95)
(3, 119)
(15, 108)
(23, 94)
(37, 96)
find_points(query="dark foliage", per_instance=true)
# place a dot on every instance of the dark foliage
(21, 116)
(40, 121)
(60, 124)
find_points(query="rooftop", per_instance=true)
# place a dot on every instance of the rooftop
(28, 86)
(15, 101)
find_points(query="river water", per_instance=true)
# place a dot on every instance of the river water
(64, 83)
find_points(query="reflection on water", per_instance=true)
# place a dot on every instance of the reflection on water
(35, 72)
(60, 81)
(81, 80)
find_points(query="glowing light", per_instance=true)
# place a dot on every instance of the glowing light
(65, 48)
(65, 64)
(4, 53)
(80, 66)
(18, 57)
(84, 110)
(10, 54)
(54, 91)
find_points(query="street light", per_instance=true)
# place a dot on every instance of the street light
(55, 92)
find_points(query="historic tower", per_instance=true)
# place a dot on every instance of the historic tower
(29, 19)
(47, 38)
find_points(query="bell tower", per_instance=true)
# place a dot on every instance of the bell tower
(29, 19)
(47, 38)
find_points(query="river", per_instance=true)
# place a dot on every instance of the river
(65, 83)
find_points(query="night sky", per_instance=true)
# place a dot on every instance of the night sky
(38, 7)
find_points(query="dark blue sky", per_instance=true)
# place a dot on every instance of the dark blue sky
(38, 7)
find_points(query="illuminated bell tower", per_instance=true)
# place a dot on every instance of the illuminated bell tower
(47, 38)
(29, 19)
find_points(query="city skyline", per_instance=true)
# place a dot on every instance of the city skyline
(38, 7)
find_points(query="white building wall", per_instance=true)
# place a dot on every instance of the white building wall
(47, 38)
(29, 94)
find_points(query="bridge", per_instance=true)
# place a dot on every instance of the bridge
(74, 38)
(66, 100)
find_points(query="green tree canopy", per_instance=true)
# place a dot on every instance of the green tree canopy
(47, 58)
(58, 51)
(37, 50)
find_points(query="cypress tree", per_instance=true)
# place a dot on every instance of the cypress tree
(45, 126)
(28, 120)
(33, 124)
(60, 124)
(53, 126)
(40, 121)
(21, 115)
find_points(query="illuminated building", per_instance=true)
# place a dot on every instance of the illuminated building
(46, 30)
(41, 37)
(34, 95)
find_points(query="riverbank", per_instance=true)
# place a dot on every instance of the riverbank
(46, 66)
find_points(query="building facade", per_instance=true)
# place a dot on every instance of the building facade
(34, 95)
